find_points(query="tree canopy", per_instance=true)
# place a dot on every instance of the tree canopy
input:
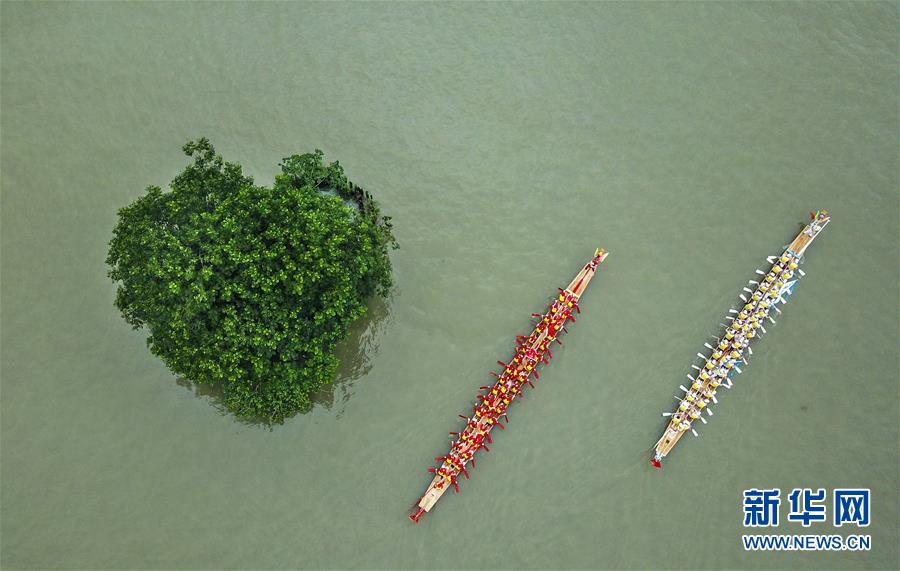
(249, 288)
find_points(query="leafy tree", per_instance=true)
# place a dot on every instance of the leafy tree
(249, 288)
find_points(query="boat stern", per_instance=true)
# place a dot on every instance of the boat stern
(434, 492)
(666, 442)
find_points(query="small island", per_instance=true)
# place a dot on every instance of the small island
(248, 289)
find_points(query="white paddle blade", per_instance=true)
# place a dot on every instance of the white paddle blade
(667, 414)
(695, 432)
(802, 273)
(703, 420)
(760, 273)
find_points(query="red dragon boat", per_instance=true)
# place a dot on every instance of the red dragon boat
(492, 402)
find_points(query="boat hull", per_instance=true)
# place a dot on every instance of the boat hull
(517, 372)
(724, 362)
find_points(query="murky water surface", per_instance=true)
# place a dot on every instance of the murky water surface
(507, 141)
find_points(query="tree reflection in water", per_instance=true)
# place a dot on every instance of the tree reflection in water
(356, 354)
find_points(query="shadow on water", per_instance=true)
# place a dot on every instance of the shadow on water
(356, 354)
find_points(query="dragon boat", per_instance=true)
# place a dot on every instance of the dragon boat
(492, 402)
(724, 359)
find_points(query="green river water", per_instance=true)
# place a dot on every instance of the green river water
(507, 141)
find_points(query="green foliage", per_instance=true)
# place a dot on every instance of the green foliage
(249, 288)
